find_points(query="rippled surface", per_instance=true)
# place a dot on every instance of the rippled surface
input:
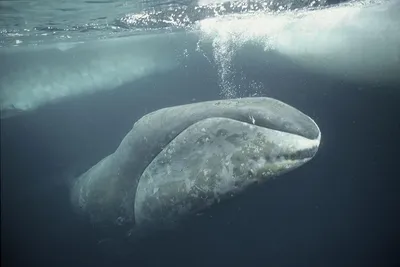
(35, 22)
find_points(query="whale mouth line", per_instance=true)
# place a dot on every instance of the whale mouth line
(257, 123)
(299, 155)
(265, 124)
(303, 154)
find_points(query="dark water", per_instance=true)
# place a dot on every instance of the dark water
(340, 209)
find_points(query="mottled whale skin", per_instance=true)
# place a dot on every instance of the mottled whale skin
(180, 160)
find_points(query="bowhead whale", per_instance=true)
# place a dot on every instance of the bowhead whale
(180, 160)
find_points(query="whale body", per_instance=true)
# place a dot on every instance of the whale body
(180, 160)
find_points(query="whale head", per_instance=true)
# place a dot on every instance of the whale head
(245, 142)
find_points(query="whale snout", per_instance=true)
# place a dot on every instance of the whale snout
(291, 137)
(292, 134)
(274, 114)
